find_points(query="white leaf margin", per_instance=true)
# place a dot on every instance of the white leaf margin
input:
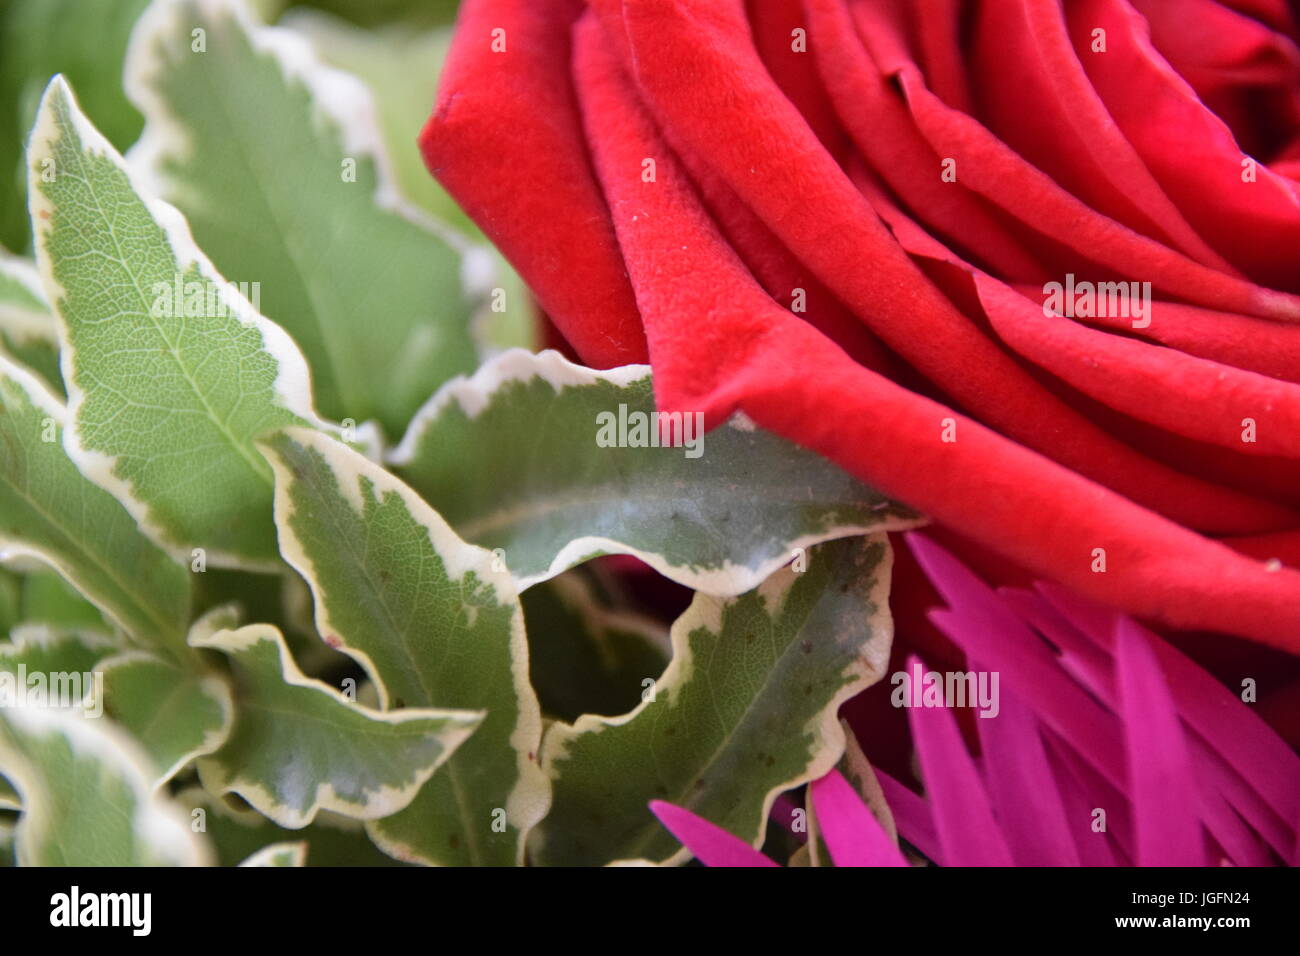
(828, 734)
(293, 377)
(386, 801)
(341, 101)
(19, 325)
(475, 392)
(279, 854)
(158, 821)
(530, 798)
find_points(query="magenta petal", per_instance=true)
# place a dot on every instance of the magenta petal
(1161, 782)
(1021, 786)
(1083, 791)
(968, 833)
(985, 628)
(853, 835)
(912, 817)
(1230, 728)
(708, 842)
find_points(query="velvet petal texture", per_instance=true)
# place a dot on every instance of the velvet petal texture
(841, 217)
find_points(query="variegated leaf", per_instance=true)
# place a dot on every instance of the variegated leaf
(435, 623)
(50, 511)
(87, 795)
(369, 289)
(538, 457)
(171, 373)
(746, 710)
(300, 746)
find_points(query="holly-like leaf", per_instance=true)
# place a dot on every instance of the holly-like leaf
(300, 746)
(87, 795)
(48, 510)
(746, 710)
(366, 287)
(171, 373)
(435, 622)
(531, 455)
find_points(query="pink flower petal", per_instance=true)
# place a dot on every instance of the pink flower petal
(982, 626)
(962, 815)
(912, 817)
(708, 842)
(1083, 791)
(1240, 736)
(853, 835)
(1024, 794)
(1161, 781)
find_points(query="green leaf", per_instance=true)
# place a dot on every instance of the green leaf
(584, 657)
(176, 714)
(168, 393)
(279, 854)
(510, 457)
(746, 710)
(7, 826)
(57, 654)
(48, 599)
(365, 285)
(27, 329)
(39, 38)
(48, 650)
(237, 834)
(400, 66)
(299, 746)
(11, 598)
(87, 790)
(49, 511)
(434, 623)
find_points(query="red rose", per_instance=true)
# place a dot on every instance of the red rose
(1029, 267)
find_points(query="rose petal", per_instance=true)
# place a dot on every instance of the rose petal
(506, 141)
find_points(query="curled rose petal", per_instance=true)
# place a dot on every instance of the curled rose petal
(842, 217)
(525, 178)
